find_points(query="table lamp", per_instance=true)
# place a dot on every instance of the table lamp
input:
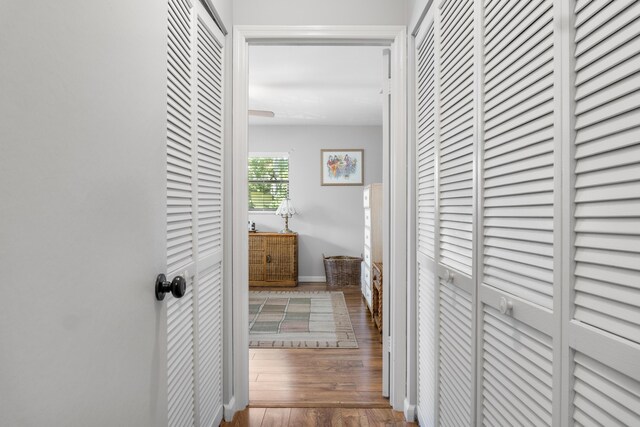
(286, 211)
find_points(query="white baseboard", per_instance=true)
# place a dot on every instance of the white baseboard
(314, 279)
(409, 411)
(230, 409)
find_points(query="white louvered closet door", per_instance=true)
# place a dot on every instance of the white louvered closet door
(455, 136)
(425, 186)
(604, 329)
(518, 207)
(194, 214)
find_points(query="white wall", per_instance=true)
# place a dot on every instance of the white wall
(331, 219)
(82, 179)
(312, 12)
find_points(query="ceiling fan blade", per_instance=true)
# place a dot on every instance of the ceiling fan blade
(261, 113)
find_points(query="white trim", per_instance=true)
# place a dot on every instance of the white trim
(563, 303)
(409, 410)
(616, 352)
(240, 191)
(273, 212)
(393, 36)
(386, 214)
(436, 213)
(278, 154)
(477, 320)
(216, 17)
(411, 398)
(397, 221)
(312, 279)
(229, 410)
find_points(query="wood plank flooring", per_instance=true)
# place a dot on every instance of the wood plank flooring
(324, 387)
(319, 417)
(321, 378)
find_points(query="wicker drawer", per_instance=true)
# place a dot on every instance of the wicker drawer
(376, 295)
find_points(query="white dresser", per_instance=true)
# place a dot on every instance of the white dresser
(372, 202)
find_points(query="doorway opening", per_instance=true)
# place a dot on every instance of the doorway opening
(394, 178)
(315, 152)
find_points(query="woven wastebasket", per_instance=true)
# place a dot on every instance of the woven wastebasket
(342, 270)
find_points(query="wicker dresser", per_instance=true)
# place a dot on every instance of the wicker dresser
(372, 201)
(376, 290)
(273, 259)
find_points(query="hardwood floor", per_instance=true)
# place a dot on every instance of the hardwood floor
(324, 387)
(320, 417)
(322, 378)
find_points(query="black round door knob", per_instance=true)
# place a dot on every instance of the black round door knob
(177, 286)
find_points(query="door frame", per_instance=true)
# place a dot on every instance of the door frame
(395, 225)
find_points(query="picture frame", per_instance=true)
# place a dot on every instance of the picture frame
(341, 167)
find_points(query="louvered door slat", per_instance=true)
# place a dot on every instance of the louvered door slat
(194, 215)
(426, 150)
(210, 343)
(603, 395)
(426, 224)
(180, 354)
(180, 217)
(606, 297)
(426, 345)
(455, 363)
(209, 150)
(607, 162)
(179, 132)
(517, 363)
(519, 143)
(209, 144)
(456, 113)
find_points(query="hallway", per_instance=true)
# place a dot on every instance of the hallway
(327, 387)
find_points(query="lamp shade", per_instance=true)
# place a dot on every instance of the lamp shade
(286, 208)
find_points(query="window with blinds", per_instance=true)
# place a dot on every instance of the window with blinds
(268, 181)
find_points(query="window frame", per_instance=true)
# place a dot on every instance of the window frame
(267, 154)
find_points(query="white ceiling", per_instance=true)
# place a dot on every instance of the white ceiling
(316, 85)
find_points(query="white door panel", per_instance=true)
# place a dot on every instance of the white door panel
(194, 215)
(426, 225)
(604, 328)
(83, 220)
(455, 360)
(541, 202)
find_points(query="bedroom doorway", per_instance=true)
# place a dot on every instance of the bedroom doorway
(315, 150)
(393, 151)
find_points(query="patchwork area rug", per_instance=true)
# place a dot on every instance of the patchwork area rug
(299, 320)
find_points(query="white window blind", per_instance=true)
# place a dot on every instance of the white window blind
(268, 180)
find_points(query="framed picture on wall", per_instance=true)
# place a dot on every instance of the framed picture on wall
(341, 167)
